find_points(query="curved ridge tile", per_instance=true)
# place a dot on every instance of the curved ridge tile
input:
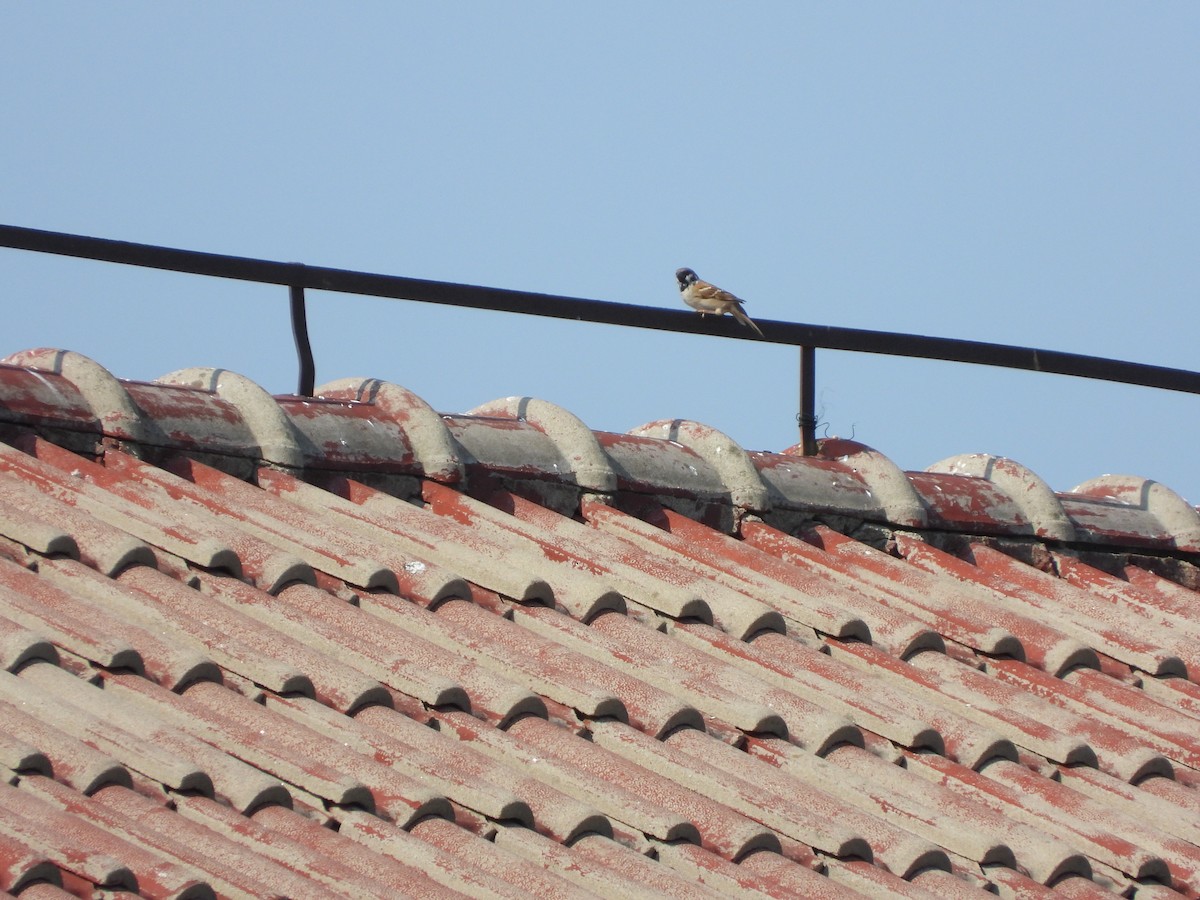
(577, 444)
(506, 447)
(1033, 499)
(886, 481)
(437, 453)
(31, 395)
(726, 456)
(277, 439)
(809, 486)
(104, 395)
(647, 465)
(1178, 519)
(347, 436)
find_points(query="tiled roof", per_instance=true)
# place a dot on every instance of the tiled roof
(349, 646)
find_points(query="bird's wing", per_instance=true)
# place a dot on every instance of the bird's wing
(711, 292)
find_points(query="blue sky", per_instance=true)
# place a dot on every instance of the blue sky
(1022, 173)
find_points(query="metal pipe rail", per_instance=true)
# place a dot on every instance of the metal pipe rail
(298, 277)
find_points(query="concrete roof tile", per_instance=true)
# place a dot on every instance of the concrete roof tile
(302, 755)
(778, 876)
(307, 871)
(90, 629)
(23, 865)
(964, 612)
(437, 454)
(485, 857)
(1118, 625)
(789, 805)
(583, 460)
(1176, 519)
(737, 610)
(65, 756)
(638, 798)
(105, 397)
(727, 458)
(870, 693)
(1153, 808)
(473, 791)
(347, 435)
(330, 625)
(574, 547)
(1106, 713)
(567, 676)
(872, 790)
(32, 397)
(587, 871)
(431, 540)
(1037, 853)
(116, 502)
(936, 678)
(1161, 592)
(661, 685)
(1134, 846)
(191, 634)
(19, 645)
(1035, 720)
(447, 868)
(343, 863)
(874, 881)
(1026, 796)
(18, 756)
(898, 501)
(778, 559)
(225, 631)
(719, 689)
(736, 880)
(436, 653)
(972, 504)
(890, 625)
(651, 465)
(116, 728)
(1033, 499)
(244, 772)
(227, 865)
(42, 607)
(451, 757)
(1161, 725)
(46, 815)
(816, 678)
(798, 486)
(650, 708)
(1041, 596)
(327, 549)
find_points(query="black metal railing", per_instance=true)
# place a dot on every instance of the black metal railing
(808, 338)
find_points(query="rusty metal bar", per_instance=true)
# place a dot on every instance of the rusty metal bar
(807, 417)
(626, 314)
(308, 366)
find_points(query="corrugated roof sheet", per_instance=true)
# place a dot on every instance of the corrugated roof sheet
(348, 646)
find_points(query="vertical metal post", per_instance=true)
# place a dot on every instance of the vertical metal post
(807, 417)
(308, 368)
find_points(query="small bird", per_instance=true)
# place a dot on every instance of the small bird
(707, 298)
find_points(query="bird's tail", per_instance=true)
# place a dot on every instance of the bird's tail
(740, 314)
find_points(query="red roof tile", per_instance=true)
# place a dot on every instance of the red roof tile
(345, 645)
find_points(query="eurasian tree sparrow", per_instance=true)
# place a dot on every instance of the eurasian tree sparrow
(707, 298)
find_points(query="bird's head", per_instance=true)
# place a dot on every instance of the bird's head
(685, 277)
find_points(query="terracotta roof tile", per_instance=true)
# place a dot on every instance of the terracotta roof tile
(348, 646)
